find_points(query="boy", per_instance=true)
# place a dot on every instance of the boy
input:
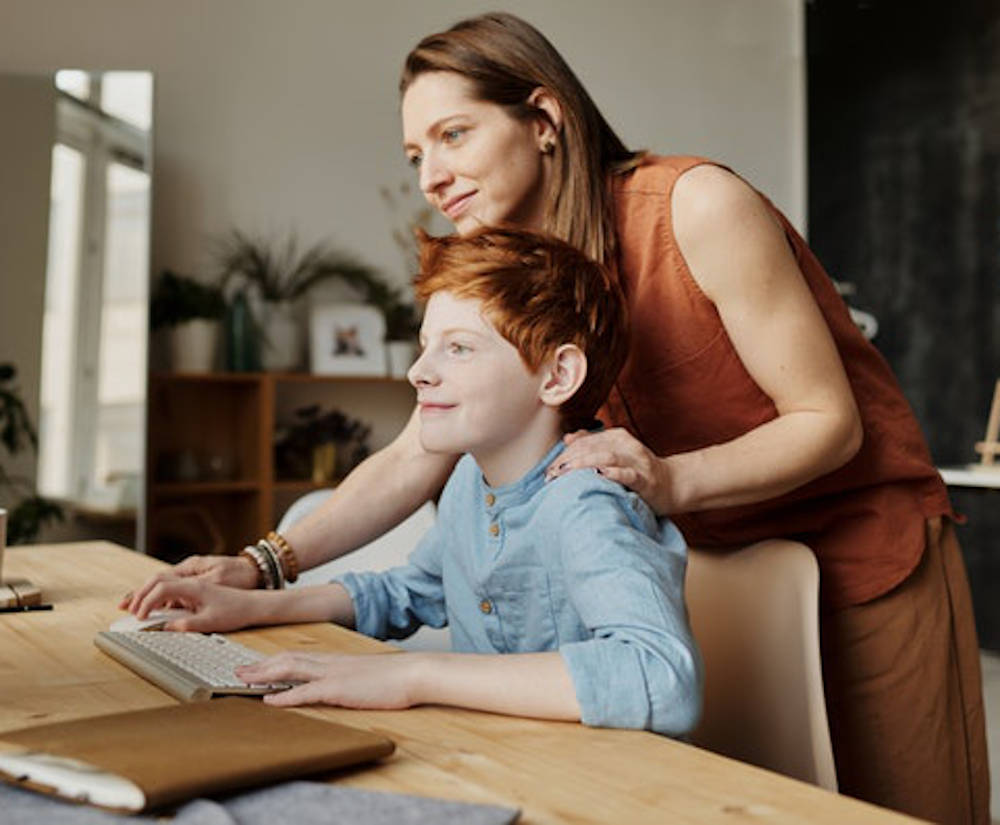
(573, 580)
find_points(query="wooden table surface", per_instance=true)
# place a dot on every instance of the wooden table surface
(50, 670)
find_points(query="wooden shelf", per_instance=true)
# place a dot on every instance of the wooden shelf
(193, 488)
(277, 377)
(197, 419)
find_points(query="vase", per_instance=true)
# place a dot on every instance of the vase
(193, 345)
(324, 462)
(282, 344)
(400, 356)
(242, 344)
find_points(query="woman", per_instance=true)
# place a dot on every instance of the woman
(750, 407)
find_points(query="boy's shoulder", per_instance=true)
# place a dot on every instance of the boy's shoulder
(586, 491)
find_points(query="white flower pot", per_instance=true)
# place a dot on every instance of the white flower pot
(400, 356)
(193, 345)
(281, 348)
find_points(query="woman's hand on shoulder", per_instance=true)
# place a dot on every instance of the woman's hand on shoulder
(619, 456)
(232, 571)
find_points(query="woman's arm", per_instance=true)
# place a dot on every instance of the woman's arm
(215, 608)
(380, 492)
(377, 495)
(739, 256)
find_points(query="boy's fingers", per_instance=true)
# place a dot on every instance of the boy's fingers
(306, 694)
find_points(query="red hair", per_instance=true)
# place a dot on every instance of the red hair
(539, 293)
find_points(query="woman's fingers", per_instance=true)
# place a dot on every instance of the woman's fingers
(168, 593)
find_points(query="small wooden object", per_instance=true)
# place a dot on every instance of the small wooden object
(18, 593)
(989, 447)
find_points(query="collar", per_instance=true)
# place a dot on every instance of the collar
(518, 492)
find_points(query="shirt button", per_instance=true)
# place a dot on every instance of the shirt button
(494, 529)
(490, 499)
(485, 606)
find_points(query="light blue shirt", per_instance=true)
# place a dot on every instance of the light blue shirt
(578, 564)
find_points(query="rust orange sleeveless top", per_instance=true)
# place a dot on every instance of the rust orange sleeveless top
(684, 388)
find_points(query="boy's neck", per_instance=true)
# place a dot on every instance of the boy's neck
(511, 461)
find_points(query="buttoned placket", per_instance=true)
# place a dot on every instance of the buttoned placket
(494, 542)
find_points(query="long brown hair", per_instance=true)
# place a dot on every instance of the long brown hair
(506, 59)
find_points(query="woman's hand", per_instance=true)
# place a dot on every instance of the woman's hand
(214, 608)
(619, 456)
(384, 681)
(232, 571)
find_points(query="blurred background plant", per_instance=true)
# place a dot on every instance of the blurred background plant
(27, 512)
(176, 299)
(281, 273)
(296, 444)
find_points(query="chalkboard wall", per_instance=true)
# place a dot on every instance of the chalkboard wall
(904, 202)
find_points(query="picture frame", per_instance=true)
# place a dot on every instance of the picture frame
(347, 339)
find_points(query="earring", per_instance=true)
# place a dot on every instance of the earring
(549, 147)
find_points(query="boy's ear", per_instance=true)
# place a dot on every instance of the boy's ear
(563, 375)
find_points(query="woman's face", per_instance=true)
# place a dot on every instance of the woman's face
(477, 164)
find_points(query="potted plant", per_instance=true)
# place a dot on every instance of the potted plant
(282, 275)
(27, 511)
(190, 310)
(320, 445)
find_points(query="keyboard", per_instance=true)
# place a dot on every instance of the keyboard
(192, 667)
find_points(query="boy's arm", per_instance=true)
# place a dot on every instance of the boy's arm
(392, 604)
(625, 578)
(518, 684)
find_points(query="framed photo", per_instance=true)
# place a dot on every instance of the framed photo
(347, 339)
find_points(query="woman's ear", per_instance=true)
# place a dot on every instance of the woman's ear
(550, 119)
(563, 375)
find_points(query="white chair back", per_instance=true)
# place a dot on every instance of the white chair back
(755, 615)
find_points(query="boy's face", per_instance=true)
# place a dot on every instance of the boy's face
(474, 392)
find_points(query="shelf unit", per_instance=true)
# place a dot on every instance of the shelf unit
(210, 448)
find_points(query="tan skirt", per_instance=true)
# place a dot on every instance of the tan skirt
(904, 693)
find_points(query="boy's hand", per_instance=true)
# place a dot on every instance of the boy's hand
(383, 681)
(619, 456)
(214, 608)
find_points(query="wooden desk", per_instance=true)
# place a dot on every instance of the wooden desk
(554, 771)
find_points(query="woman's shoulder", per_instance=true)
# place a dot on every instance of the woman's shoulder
(658, 173)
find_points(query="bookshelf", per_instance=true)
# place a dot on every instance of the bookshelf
(210, 444)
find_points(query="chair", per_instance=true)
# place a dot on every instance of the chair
(386, 551)
(755, 615)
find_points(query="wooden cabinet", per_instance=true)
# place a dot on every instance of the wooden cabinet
(210, 450)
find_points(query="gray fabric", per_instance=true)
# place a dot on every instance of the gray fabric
(305, 803)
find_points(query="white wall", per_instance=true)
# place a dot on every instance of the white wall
(274, 116)
(25, 160)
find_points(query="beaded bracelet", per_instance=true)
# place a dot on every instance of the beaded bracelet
(245, 554)
(289, 561)
(264, 578)
(276, 576)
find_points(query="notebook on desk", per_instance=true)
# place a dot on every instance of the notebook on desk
(147, 759)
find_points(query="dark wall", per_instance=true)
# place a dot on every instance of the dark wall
(904, 183)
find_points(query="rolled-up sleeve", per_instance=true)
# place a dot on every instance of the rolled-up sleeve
(394, 603)
(625, 579)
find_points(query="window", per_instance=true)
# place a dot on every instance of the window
(96, 304)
